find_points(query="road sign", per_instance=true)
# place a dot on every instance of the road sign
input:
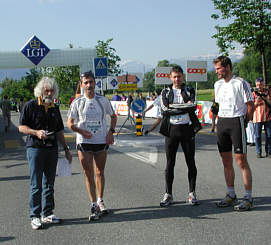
(162, 75)
(112, 82)
(196, 71)
(138, 106)
(100, 67)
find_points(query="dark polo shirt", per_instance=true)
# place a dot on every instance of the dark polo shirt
(35, 116)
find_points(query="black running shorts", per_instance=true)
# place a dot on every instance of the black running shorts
(231, 131)
(92, 148)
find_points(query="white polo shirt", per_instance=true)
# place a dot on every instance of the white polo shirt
(232, 97)
(90, 115)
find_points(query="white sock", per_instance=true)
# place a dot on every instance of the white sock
(94, 204)
(249, 194)
(100, 199)
(231, 191)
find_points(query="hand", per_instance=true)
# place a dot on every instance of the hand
(86, 134)
(109, 138)
(41, 134)
(68, 156)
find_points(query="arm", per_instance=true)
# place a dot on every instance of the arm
(149, 108)
(29, 131)
(61, 139)
(250, 110)
(156, 123)
(72, 126)
(110, 136)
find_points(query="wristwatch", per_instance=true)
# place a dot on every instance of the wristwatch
(112, 130)
(66, 148)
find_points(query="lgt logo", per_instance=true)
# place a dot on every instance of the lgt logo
(35, 50)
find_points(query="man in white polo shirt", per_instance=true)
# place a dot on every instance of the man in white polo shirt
(236, 107)
(87, 117)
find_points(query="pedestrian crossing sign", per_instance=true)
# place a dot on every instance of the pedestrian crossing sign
(100, 67)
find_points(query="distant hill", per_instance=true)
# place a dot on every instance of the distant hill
(16, 74)
(133, 66)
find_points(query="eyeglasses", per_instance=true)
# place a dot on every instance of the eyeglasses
(87, 74)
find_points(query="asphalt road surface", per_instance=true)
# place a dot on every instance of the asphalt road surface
(134, 188)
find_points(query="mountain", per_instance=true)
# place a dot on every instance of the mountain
(16, 74)
(131, 66)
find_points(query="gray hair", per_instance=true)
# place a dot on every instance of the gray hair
(50, 83)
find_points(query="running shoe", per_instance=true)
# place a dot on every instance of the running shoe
(102, 207)
(36, 223)
(192, 199)
(50, 219)
(167, 200)
(228, 201)
(245, 205)
(94, 213)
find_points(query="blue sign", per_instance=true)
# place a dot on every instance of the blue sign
(99, 84)
(138, 106)
(35, 50)
(114, 83)
(100, 67)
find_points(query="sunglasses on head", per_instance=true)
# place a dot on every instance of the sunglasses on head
(87, 74)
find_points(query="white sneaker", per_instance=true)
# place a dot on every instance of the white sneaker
(50, 219)
(94, 213)
(36, 223)
(167, 200)
(102, 207)
(192, 199)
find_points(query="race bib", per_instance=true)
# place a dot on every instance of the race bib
(93, 126)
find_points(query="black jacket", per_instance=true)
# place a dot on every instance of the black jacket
(167, 95)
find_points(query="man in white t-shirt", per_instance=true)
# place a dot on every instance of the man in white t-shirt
(236, 107)
(87, 117)
(156, 102)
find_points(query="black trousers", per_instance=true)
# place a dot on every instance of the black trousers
(180, 134)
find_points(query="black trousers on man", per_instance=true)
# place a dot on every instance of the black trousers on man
(183, 134)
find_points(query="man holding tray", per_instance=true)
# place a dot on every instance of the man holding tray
(179, 125)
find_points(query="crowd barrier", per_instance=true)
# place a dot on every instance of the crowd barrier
(203, 110)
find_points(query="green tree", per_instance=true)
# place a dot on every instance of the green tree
(104, 49)
(250, 67)
(250, 27)
(66, 78)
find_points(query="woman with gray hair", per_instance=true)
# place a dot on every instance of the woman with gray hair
(41, 121)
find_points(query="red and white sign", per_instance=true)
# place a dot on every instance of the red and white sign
(162, 75)
(196, 71)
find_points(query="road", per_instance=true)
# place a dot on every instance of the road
(134, 188)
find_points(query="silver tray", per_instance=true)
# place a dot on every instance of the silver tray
(182, 106)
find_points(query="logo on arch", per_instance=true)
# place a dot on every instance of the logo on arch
(35, 50)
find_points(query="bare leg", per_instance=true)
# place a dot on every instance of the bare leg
(86, 160)
(241, 160)
(100, 160)
(228, 168)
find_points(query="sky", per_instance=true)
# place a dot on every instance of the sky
(142, 30)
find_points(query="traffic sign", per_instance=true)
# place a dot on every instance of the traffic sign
(112, 82)
(138, 105)
(100, 67)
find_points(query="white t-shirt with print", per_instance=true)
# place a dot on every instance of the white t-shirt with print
(157, 102)
(89, 116)
(232, 97)
(179, 119)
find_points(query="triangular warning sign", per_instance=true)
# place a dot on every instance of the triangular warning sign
(100, 65)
